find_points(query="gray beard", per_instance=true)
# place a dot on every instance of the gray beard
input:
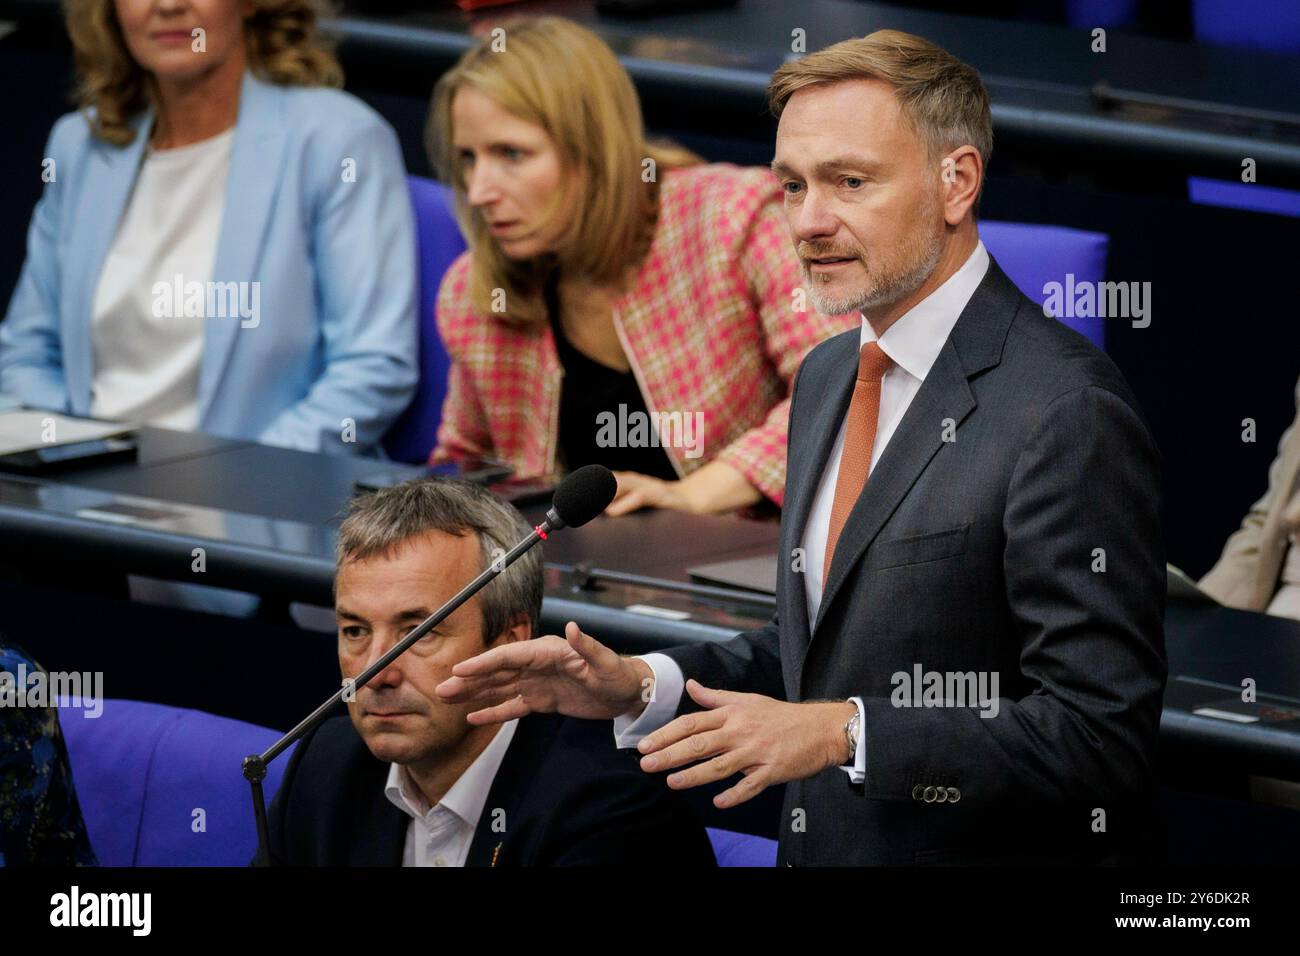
(887, 289)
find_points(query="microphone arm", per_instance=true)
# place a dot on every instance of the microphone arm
(254, 766)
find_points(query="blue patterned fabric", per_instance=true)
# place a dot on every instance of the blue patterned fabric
(40, 820)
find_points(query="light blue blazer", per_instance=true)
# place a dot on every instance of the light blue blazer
(317, 212)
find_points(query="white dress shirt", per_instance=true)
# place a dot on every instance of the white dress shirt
(146, 364)
(441, 835)
(914, 343)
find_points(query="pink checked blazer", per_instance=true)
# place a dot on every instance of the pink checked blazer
(711, 325)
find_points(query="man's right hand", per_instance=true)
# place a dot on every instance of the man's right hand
(575, 675)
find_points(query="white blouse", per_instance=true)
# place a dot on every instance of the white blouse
(146, 350)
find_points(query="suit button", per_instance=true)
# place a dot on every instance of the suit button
(953, 794)
(941, 795)
(929, 794)
(917, 791)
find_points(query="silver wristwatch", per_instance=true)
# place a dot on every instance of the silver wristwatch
(851, 732)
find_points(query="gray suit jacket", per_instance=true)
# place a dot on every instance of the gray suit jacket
(1027, 546)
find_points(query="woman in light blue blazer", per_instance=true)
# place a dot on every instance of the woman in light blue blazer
(293, 320)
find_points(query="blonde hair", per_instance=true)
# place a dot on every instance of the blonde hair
(281, 42)
(562, 77)
(941, 97)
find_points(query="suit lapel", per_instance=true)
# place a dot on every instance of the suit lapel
(830, 404)
(974, 345)
(370, 830)
(255, 164)
(383, 842)
(945, 394)
(109, 178)
(492, 847)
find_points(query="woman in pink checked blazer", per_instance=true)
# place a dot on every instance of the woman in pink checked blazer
(621, 302)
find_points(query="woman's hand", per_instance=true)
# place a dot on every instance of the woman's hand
(713, 488)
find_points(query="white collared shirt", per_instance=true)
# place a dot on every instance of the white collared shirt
(913, 342)
(441, 835)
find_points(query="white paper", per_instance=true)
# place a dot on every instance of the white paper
(27, 429)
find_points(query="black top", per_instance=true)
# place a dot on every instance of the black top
(590, 388)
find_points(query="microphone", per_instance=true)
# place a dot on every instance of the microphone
(581, 496)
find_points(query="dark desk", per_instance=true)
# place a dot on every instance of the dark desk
(1212, 650)
(266, 519)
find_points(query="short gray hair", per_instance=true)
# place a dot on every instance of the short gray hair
(377, 523)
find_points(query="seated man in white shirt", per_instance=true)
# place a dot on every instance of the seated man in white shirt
(408, 780)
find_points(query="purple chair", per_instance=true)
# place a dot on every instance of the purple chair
(1089, 14)
(1251, 197)
(1274, 27)
(439, 242)
(1271, 25)
(1032, 256)
(741, 849)
(142, 770)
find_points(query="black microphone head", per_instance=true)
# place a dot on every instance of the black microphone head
(583, 494)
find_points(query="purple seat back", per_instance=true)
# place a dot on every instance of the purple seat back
(142, 770)
(1272, 25)
(1251, 197)
(438, 243)
(742, 849)
(1033, 256)
(1089, 14)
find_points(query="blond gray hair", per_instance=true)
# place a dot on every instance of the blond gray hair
(378, 523)
(282, 40)
(942, 98)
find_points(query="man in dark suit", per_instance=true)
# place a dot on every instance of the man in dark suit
(967, 660)
(404, 779)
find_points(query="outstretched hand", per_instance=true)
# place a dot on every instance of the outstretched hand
(575, 675)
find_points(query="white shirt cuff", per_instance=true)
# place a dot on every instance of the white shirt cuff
(665, 695)
(858, 771)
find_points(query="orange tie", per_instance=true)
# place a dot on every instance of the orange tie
(859, 438)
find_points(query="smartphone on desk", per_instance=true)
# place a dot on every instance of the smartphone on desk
(77, 454)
